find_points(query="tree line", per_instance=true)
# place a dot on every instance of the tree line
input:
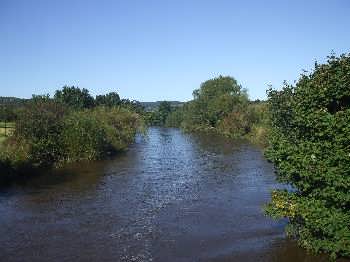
(71, 96)
(70, 126)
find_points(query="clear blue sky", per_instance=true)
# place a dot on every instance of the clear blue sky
(162, 50)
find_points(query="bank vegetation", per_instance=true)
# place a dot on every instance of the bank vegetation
(72, 126)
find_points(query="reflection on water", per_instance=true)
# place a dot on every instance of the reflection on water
(171, 197)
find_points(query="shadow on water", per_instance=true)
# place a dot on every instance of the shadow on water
(170, 197)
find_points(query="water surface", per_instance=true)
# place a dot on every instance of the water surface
(170, 197)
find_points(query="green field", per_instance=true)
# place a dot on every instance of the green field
(9, 129)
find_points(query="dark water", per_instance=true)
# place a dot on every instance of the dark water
(171, 197)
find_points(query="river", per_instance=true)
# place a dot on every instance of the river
(170, 197)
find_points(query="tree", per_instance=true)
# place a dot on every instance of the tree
(110, 100)
(164, 110)
(7, 113)
(132, 105)
(214, 100)
(74, 97)
(175, 118)
(310, 146)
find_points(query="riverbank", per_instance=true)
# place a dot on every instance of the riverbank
(47, 135)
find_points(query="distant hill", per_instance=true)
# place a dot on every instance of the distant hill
(152, 106)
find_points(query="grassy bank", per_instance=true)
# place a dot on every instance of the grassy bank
(6, 128)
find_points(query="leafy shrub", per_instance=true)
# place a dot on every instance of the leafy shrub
(83, 137)
(47, 134)
(235, 124)
(310, 146)
(36, 138)
(15, 152)
(91, 134)
(250, 121)
(120, 126)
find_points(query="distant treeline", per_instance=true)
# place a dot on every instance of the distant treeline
(71, 96)
(153, 106)
(12, 101)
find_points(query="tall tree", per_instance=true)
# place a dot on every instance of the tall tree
(163, 111)
(110, 99)
(74, 97)
(214, 100)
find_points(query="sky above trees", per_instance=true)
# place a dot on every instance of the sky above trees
(162, 50)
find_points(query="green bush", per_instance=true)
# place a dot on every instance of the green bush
(310, 146)
(91, 134)
(120, 126)
(83, 137)
(47, 134)
(36, 138)
(250, 122)
(235, 124)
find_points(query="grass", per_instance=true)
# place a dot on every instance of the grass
(10, 126)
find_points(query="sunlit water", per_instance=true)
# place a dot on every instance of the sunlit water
(171, 197)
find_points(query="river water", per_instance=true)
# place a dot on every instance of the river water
(170, 197)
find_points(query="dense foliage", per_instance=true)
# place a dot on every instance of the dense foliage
(214, 100)
(175, 117)
(110, 99)
(221, 105)
(38, 127)
(310, 146)
(92, 134)
(132, 105)
(159, 116)
(8, 113)
(69, 127)
(12, 101)
(74, 97)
